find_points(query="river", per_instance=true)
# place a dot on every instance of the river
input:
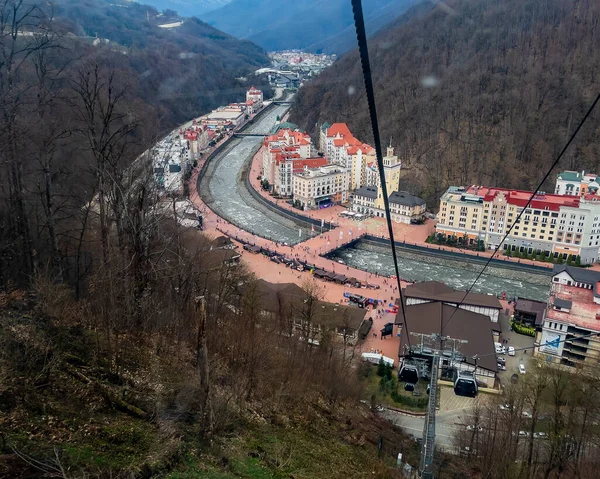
(225, 192)
(459, 275)
(229, 198)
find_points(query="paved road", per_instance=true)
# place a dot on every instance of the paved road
(517, 341)
(454, 414)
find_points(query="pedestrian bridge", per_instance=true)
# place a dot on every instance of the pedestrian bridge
(250, 134)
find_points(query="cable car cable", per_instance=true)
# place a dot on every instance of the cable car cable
(359, 23)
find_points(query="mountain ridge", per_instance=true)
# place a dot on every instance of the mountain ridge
(192, 61)
(311, 25)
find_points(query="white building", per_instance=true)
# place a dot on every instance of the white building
(361, 156)
(197, 138)
(576, 183)
(256, 97)
(286, 166)
(404, 207)
(280, 146)
(318, 187)
(342, 148)
(224, 116)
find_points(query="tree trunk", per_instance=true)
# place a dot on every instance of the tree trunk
(203, 374)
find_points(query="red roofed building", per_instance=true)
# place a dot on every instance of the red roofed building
(197, 138)
(256, 96)
(342, 148)
(558, 225)
(286, 165)
(287, 144)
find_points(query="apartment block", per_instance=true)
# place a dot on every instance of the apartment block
(321, 187)
(576, 183)
(254, 98)
(280, 147)
(287, 166)
(553, 224)
(342, 148)
(570, 333)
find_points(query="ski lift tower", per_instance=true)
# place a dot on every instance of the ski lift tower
(428, 447)
(434, 346)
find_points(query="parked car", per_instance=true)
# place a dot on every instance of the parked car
(526, 414)
(511, 351)
(409, 387)
(505, 407)
(501, 359)
(501, 366)
(471, 427)
(522, 368)
(540, 435)
(523, 433)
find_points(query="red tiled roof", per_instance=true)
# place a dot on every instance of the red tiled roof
(339, 128)
(288, 136)
(520, 198)
(354, 149)
(298, 165)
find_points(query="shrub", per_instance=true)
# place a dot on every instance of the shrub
(381, 368)
(409, 401)
(522, 329)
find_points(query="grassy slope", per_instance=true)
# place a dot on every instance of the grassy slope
(49, 409)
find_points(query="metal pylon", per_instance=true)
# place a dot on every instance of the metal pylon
(428, 448)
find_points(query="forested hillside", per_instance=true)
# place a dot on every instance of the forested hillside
(183, 71)
(128, 346)
(473, 92)
(310, 24)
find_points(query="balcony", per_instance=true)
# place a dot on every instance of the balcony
(573, 357)
(575, 349)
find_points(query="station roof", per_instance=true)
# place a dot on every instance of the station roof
(436, 291)
(430, 318)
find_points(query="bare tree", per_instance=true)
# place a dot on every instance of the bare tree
(23, 33)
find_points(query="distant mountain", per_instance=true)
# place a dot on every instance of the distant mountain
(185, 66)
(473, 92)
(309, 24)
(187, 8)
